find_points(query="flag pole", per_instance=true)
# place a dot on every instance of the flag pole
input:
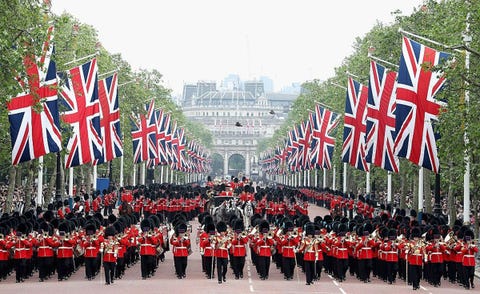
(389, 187)
(134, 174)
(70, 182)
(382, 61)
(367, 179)
(403, 32)
(95, 175)
(420, 189)
(83, 58)
(108, 73)
(324, 178)
(40, 182)
(345, 177)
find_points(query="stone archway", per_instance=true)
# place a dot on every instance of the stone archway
(236, 165)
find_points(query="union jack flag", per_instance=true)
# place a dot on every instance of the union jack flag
(109, 119)
(35, 133)
(144, 132)
(178, 149)
(292, 150)
(416, 106)
(304, 141)
(381, 118)
(353, 149)
(80, 96)
(162, 119)
(323, 122)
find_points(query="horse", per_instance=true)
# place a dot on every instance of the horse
(225, 211)
(248, 212)
(125, 209)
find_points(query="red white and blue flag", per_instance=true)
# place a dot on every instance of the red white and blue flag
(33, 114)
(353, 149)
(381, 118)
(109, 119)
(80, 96)
(162, 120)
(304, 142)
(144, 132)
(416, 107)
(323, 122)
(292, 150)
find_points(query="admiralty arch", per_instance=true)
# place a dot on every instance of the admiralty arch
(239, 118)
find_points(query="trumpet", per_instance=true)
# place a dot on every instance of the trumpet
(185, 236)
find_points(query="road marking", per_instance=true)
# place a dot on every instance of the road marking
(249, 273)
(343, 292)
(423, 288)
(335, 282)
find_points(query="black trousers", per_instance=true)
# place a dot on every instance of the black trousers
(64, 267)
(90, 267)
(288, 267)
(109, 268)
(20, 269)
(309, 267)
(180, 263)
(392, 268)
(263, 266)
(238, 263)
(222, 265)
(44, 267)
(415, 274)
(209, 266)
(147, 263)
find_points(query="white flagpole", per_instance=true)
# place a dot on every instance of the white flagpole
(316, 177)
(82, 58)
(142, 173)
(324, 178)
(344, 177)
(420, 189)
(134, 174)
(171, 175)
(40, 182)
(166, 174)
(121, 171)
(161, 174)
(70, 182)
(94, 182)
(367, 186)
(389, 187)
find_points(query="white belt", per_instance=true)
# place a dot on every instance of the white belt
(44, 247)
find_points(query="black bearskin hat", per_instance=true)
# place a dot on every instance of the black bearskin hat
(145, 225)
(110, 231)
(415, 233)
(309, 229)
(210, 229)
(264, 227)
(180, 228)
(90, 229)
(221, 227)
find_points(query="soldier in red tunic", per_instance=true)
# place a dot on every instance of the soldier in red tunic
(468, 250)
(238, 249)
(20, 245)
(109, 249)
(46, 244)
(148, 244)
(222, 244)
(289, 242)
(91, 245)
(180, 242)
(206, 249)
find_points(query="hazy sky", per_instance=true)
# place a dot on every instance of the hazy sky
(190, 40)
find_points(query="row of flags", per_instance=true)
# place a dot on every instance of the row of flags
(159, 141)
(92, 114)
(392, 117)
(91, 110)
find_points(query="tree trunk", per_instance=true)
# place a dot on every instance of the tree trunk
(50, 190)
(11, 188)
(18, 177)
(427, 190)
(403, 192)
(88, 178)
(28, 185)
(415, 183)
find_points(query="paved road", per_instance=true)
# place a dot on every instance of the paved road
(165, 281)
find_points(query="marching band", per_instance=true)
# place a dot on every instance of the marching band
(383, 246)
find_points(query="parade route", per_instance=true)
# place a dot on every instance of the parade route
(165, 281)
